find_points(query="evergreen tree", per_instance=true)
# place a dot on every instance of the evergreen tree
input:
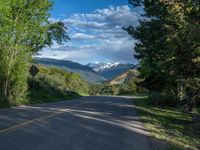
(168, 46)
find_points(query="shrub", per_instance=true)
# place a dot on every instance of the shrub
(169, 98)
(124, 90)
(4, 102)
(132, 86)
(155, 98)
(166, 98)
(142, 90)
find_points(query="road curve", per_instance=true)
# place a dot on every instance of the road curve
(88, 123)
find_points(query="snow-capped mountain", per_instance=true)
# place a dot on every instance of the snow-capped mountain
(111, 70)
(98, 67)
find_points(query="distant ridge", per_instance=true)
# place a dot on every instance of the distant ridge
(111, 70)
(86, 72)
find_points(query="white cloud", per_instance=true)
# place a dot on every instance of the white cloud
(98, 36)
(83, 36)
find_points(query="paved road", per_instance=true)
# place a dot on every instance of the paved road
(88, 123)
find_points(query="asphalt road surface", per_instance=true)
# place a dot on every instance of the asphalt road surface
(88, 123)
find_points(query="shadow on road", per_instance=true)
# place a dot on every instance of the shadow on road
(90, 123)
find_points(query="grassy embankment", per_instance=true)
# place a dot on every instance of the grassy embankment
(51, 84)
(170, 125)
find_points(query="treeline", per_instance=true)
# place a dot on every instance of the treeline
(107, 89)
(24, 30)
(168, 49)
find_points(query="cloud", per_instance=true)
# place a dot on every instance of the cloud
(98, 36)
(83, 36)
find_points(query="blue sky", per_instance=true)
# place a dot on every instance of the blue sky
(95, 29)
(68, 7)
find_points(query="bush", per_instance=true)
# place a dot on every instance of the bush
(155, 98)
(4, 102)
(103, 89)
(124, 90)
(95, 89)
(142, 90)
(166, 98)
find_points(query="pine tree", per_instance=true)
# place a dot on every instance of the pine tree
(168, 46)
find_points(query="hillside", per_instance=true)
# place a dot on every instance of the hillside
(124, 78)
(86, 72)
(51, 84)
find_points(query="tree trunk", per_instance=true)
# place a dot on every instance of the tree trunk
(6, 83)
(6, 88)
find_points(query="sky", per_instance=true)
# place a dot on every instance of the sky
(95, 30)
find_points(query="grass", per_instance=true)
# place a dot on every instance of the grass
(40, 97)
(170, 125)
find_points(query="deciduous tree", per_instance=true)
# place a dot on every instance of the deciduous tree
(24, 30)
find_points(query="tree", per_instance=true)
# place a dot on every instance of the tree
(168, 45)
(24, 30)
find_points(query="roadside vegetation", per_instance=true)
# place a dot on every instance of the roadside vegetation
(107, 89)
(124, 84)
(168, 49)
(51, 84)
(169, 124)
(24, 31)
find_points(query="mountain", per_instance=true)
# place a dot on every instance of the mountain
(98, 67)
(124, 78)
(110, 70)
(86, 72)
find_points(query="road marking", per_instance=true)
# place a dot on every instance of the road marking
(23, 124)
(13, 128)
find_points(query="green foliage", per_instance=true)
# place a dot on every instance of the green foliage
(107, 89)
(124, 89)
(64, 80)
(190, 92)
(53, 84)
(94, 89)
(198, 109)
(4, 102)
(132, 86)
(168, 44)
(103, 89)
(24, 30)
(167, 98)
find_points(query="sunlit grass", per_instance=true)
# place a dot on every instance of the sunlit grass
(170, 125)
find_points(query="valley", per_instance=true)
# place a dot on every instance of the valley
(93, 73)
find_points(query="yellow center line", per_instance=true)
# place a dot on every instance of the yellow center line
(23, 124)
